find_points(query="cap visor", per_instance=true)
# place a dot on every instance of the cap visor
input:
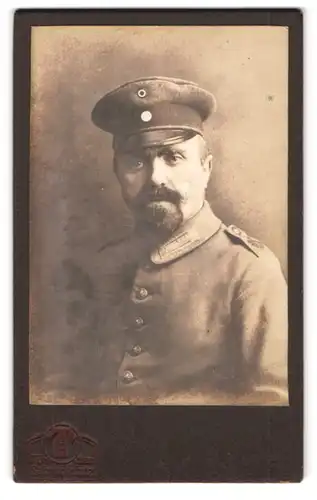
(151, 138)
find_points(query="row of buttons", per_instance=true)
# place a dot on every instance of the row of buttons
(141, 293)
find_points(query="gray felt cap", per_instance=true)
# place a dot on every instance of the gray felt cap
(154, 108)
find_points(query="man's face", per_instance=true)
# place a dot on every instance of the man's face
(164, 185)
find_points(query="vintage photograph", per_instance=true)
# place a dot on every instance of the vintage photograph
(158, 215)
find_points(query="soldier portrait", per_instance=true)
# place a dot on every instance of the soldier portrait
(158, 216)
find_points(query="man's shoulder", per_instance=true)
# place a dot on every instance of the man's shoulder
(244, 249)
(250, 254)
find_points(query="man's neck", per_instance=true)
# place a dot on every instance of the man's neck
(193, 213)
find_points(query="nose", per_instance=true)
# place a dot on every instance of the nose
(159, 171)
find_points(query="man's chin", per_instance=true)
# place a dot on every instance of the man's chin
(162, 217)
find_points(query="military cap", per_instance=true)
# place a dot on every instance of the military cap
(155, 109)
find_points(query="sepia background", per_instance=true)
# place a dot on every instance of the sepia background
(75, 202)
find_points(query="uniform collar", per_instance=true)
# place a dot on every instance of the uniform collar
(191, 235)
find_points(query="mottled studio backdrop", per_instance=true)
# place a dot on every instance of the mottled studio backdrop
(75, 201)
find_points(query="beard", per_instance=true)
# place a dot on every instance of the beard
(157, 209)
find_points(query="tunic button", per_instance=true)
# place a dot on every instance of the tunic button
(136, 350)
(142, 293)
(139, 321)
(127, 377)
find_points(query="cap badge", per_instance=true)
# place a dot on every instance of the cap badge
(141, 93)
(146, 116)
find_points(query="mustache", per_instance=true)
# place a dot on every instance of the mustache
(158, 193)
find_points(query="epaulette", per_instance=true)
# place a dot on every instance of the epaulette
(251, 243)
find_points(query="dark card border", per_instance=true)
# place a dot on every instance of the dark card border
(165, 444)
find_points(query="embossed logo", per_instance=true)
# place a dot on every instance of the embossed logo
(61, 453)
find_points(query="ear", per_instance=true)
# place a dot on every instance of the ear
(207, 165)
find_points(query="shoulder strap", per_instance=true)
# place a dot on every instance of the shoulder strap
(251, 243)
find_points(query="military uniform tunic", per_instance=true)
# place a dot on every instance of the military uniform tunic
(206, 313)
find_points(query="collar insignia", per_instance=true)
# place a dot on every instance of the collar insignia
(190, 236)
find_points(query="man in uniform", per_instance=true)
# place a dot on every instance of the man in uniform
(197, 310)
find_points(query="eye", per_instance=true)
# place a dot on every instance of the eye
(135, 164)
(172, 157)
(129, 162)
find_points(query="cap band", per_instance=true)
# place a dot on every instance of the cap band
(161, 115)
(151, 138)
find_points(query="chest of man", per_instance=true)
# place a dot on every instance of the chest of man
(172, 325)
